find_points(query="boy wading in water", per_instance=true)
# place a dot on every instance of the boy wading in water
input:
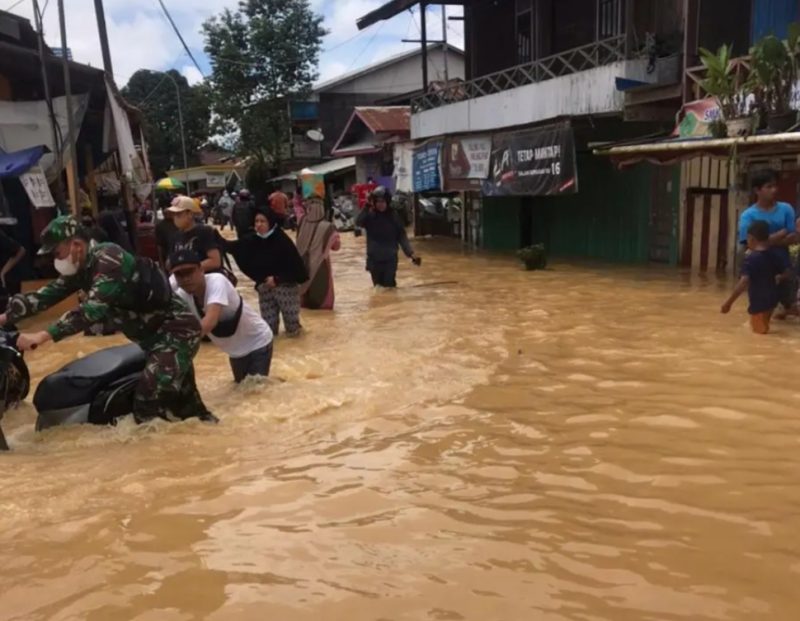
(780, 220)
(763, 270)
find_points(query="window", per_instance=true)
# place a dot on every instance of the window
(525, 37)
(609, 18)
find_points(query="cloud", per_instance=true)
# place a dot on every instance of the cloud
(141, 38)
(192, 74)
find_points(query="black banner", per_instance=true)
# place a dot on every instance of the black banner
(536, 162)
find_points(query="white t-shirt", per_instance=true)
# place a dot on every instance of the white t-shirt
(251, 334)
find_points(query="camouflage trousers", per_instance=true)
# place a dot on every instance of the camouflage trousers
(167, 388)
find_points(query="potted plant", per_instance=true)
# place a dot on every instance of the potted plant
(534, 257)
(773, 73)
(722, 82)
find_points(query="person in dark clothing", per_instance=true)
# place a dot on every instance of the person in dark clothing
(165, 231)
(385, 232)
(115, 233)
(198, 238)
(270, 259)
(763, 271)
(243, 214)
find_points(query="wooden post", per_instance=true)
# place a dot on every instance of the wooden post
(691, 27)
(630, 28)
(72, 187)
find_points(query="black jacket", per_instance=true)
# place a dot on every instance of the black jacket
(274, 256)
(385, 232)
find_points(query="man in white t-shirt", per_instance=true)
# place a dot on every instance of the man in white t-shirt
(229, 322)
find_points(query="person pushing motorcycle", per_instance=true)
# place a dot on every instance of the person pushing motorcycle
(129, 294)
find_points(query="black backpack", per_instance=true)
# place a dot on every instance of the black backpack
(153, 291)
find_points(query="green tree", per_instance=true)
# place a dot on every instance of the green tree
(155, 95)
(262, 54)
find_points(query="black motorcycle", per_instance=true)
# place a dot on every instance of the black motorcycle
(97, 389)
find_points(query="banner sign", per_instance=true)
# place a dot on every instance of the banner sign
(35, 184)
(426, 167)
(215, 179)
(537, 162)
(468, 158)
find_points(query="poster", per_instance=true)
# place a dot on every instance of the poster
(696, 118)
(537, 162)
(426, 166)
(468, 158)
(403, 154)
(215, 179)
(35, 184)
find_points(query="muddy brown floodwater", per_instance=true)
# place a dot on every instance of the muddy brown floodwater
(581, 444)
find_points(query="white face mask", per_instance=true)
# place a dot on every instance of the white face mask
(65, 267)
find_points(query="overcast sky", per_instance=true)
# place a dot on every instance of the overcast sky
(141, 37)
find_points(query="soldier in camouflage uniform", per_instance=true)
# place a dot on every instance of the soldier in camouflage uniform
(169, 335)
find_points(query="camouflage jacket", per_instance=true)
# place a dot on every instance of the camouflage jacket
(109, 281)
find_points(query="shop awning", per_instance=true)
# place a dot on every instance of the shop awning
(17, 163)
(666, 152)
(325, 168)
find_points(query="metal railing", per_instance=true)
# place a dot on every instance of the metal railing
(572, 61)
(695, 76)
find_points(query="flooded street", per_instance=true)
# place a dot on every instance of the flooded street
(578, 444)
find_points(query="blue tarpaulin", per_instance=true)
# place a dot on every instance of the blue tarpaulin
(17, 163)
(772, 17)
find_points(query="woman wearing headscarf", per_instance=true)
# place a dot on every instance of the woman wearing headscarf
(270, 259)
(316, 238)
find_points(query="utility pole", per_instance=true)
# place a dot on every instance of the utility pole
(101, 29)
(57, 153)
(445, 48)
(424, 35)
(72, 167)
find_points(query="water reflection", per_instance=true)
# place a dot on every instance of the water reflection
(580, 444)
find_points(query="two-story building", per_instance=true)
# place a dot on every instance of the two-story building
(556, 79)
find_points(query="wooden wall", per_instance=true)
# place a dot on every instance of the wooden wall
(709, 215)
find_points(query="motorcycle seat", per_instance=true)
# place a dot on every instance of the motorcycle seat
(79, 381)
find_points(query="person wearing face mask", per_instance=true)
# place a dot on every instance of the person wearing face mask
(385, 232)
(131, 294)
(270, 259)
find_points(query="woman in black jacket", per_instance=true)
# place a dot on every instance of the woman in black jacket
(270, 259)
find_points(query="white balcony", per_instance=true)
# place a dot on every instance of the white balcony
(578, 82)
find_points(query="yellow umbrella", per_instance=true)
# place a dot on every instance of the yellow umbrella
(169, 183)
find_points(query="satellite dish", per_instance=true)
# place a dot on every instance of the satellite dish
(315, 135)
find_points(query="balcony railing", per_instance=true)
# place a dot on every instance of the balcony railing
(696, 75)
(571, 61)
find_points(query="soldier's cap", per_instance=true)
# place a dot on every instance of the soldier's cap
(60, 229)
(182, 258)
(184, 203)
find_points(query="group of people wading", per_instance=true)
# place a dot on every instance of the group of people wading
(169, 315)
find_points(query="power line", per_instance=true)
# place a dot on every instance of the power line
(150, 94)
(15, 5)
(364, 49)
(180, 36)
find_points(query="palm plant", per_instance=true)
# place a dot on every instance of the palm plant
(722, 82)
(774, 67)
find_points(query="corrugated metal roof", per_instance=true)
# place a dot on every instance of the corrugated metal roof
(325, 168)
(385, 119)
(385, 123)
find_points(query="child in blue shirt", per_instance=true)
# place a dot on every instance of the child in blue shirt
(763, 270)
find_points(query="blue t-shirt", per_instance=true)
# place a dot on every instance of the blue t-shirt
(761, 267)
(780, 217)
